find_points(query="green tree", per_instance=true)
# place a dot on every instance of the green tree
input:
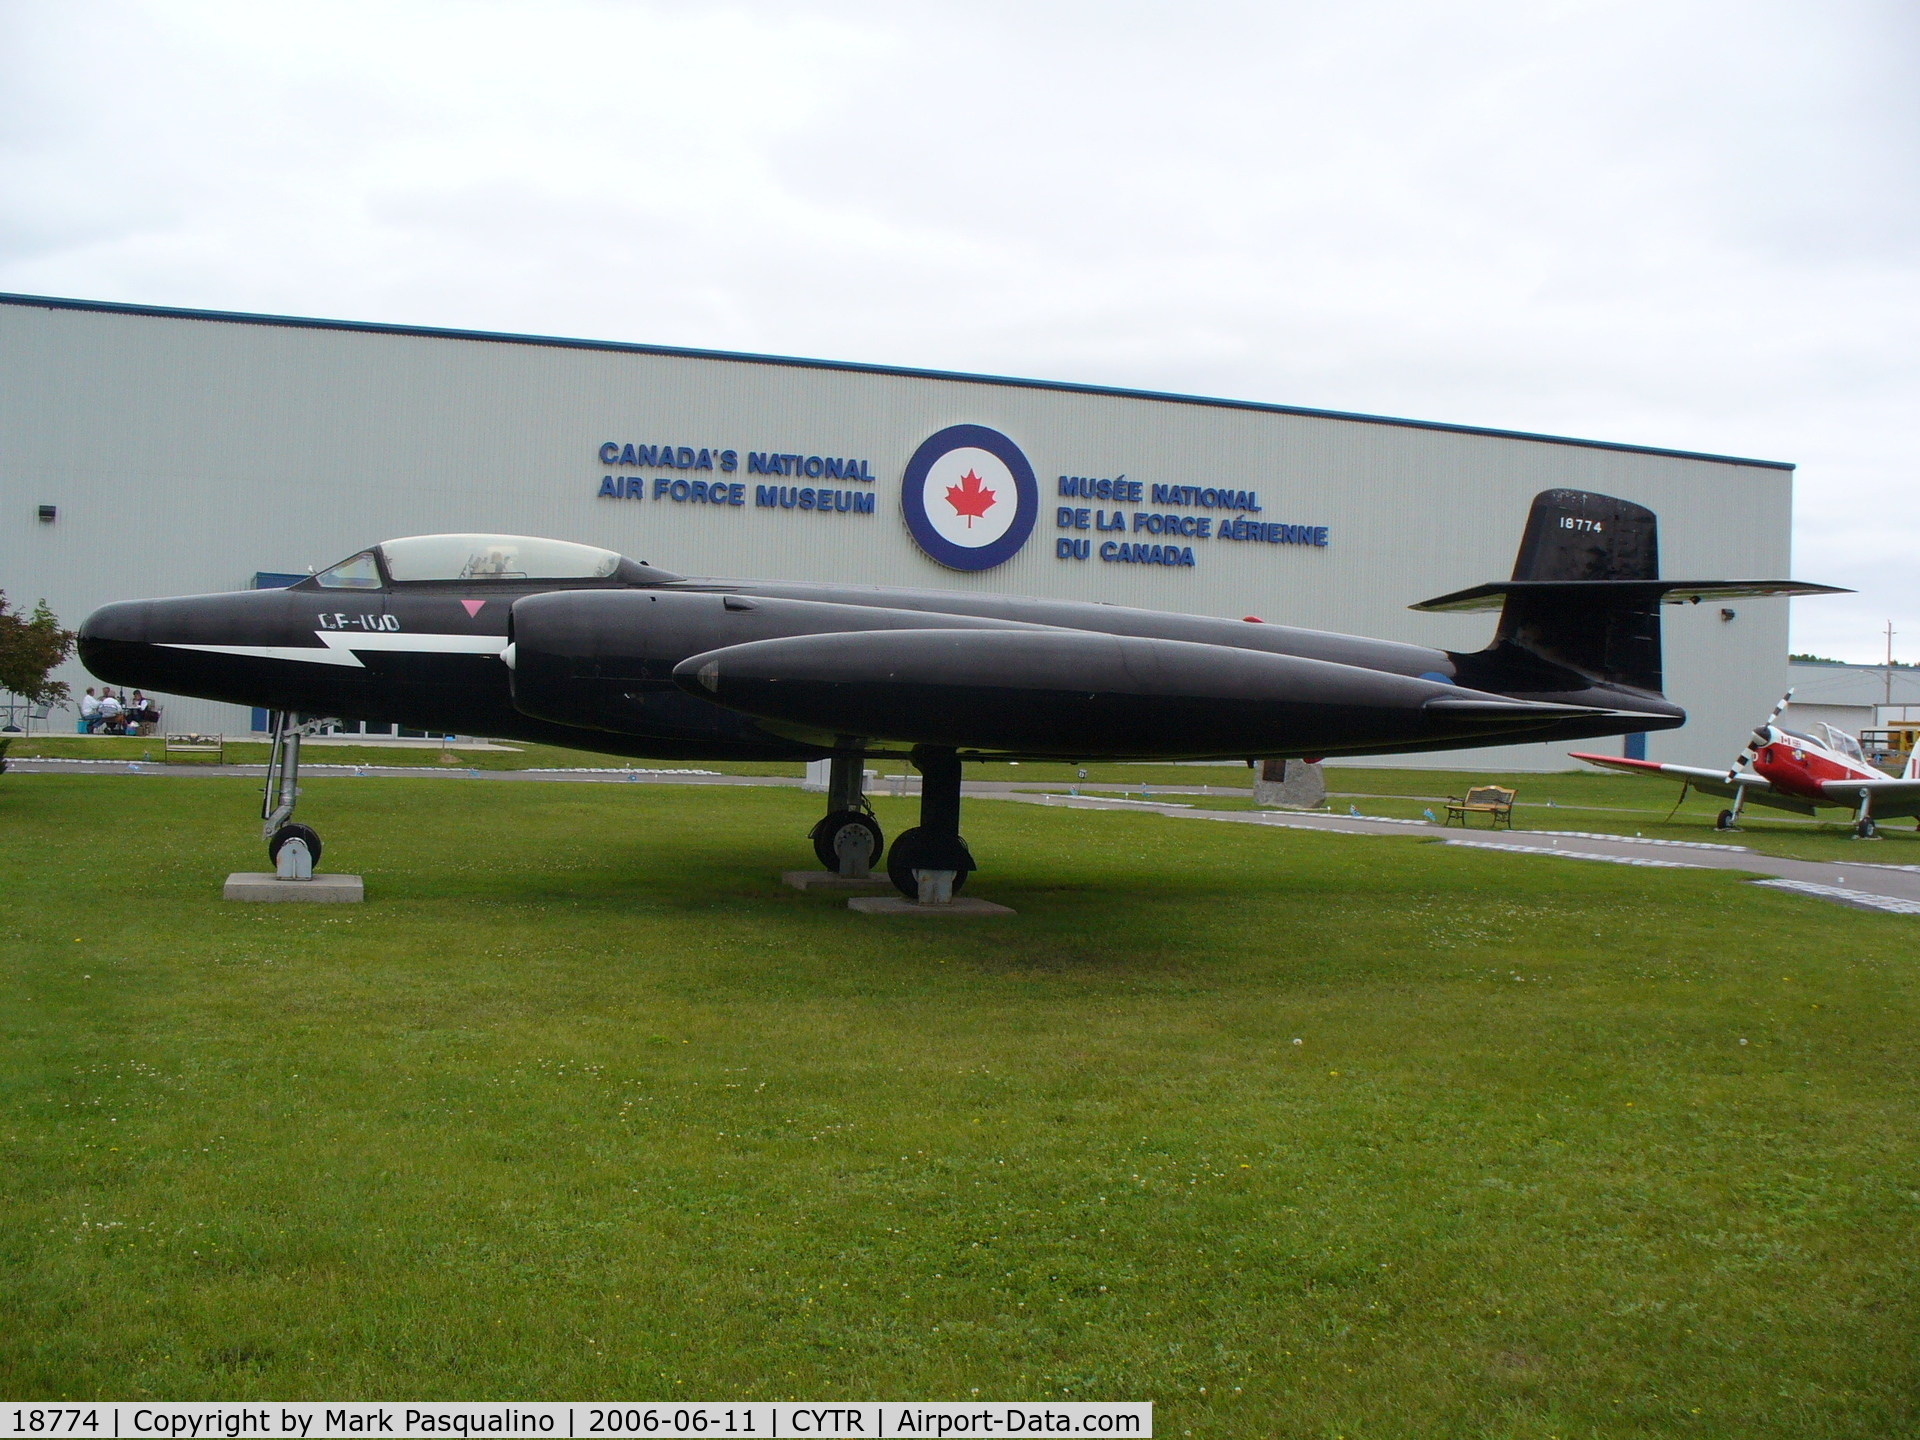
(30, 647)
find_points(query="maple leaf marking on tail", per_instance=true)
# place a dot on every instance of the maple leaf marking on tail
(970, 498)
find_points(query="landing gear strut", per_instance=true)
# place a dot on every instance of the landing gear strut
(293, 848)
(930, 862)
(1863, 826)
(848, 840)
(1730, 819)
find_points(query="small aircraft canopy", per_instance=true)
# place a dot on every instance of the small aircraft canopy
(495, 557)
(1837, 741)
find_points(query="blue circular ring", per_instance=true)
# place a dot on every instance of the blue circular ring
(913, 498)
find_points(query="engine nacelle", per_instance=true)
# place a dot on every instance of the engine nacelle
(604, 659)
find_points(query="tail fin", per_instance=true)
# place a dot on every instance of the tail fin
(1577, 535)
(1586, 594)
(1611, 631)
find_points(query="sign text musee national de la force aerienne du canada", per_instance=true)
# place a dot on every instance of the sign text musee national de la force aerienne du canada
(942, 518)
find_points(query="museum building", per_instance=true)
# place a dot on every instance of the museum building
(151, 452)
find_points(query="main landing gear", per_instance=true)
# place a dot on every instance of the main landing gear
(848, 840)
(1863, 826)
(293, 848)
(1730, 819)
(930, 862)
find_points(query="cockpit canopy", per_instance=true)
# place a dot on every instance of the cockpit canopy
(485, 560)
(1825, 735)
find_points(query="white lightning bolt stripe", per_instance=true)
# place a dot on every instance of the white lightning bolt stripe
(339, 647)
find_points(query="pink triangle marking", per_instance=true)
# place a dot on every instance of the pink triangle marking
(472, 607)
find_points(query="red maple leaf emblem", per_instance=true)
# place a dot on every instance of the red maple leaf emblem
(970, 497)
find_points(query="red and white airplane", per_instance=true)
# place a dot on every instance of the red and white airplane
(1792, 770)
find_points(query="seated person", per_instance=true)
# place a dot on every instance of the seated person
(142, 711)
(109, 713)
(89, 710)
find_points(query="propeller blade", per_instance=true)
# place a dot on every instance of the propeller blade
(1760, 737)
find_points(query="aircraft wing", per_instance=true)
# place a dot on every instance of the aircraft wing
(1890, 796)
(1759, 790)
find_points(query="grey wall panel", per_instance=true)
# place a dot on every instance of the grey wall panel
(186, 454)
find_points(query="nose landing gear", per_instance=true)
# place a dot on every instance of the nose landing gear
(293, 848)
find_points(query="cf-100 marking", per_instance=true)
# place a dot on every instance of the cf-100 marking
(339, 621)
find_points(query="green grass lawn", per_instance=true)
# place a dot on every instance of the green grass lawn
(582, 1103)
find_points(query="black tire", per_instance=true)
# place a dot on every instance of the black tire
(1866, 830)
(289, 831)
(1724, 820)
(912, 851)
(828, 830)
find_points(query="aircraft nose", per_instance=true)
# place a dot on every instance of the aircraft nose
(113, 644)
(201, 645)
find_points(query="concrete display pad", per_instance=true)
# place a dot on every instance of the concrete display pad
(899, 905)
(321, 889)
(827, 880)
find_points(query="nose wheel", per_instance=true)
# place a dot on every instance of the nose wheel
(294, 850)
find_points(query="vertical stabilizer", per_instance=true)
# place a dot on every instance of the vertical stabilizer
(1611, 636)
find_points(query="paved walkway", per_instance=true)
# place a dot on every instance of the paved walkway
(1863, 883)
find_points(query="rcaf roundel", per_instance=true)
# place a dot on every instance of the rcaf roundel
(969, 497)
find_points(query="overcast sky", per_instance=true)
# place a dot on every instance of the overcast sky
(1670, 224)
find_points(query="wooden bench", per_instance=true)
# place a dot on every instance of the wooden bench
(1489, 800)
(214, 746)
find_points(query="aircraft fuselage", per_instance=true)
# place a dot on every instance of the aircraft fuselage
(593, 665)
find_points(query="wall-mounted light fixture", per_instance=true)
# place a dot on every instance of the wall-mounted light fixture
(48, 513)
(1728, 614)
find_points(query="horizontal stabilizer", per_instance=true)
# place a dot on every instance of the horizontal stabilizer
(1574, 593)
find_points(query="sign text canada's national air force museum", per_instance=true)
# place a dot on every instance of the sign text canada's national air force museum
(968, 497)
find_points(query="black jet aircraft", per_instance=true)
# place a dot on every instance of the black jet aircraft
(566, 644)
